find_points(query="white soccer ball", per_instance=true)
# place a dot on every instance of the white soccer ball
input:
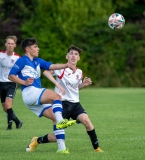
(116, 21)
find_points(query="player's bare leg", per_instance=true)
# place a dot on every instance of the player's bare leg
(50, 96)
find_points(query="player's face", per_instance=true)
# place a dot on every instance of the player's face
(10, 45)
(73, 57)
(33, 50)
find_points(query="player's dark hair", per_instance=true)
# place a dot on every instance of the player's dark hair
(72, 47)
(28, 42)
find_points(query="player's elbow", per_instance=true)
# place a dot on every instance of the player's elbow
(47, 72)
(44, 73)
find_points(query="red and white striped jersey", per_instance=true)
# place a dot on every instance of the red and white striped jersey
(70, 82)
(6, 63)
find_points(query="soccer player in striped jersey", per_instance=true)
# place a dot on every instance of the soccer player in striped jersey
(41, 101)
(8, 88)
(72, 83)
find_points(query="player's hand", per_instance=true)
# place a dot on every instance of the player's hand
(29, 81)
(60, 88)
(72, 67)
(87, 81)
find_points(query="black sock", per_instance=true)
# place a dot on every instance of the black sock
(93, 138)
(10, 117)
(15, 119)
(43, 139)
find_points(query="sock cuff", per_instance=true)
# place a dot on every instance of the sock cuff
(90, 132)
(57, 102)
(9, 110)
(43, 139)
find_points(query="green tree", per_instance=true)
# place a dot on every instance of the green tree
(110, 58)
(12, 14)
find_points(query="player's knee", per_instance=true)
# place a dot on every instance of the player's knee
(88, 123)
(57, 97)
(8, 103)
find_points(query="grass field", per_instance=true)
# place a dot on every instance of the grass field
(117, 114)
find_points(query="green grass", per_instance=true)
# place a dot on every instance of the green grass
(117, 114)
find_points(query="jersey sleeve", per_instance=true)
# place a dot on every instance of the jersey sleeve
(18, 66)
(58, 72)
(44, 64)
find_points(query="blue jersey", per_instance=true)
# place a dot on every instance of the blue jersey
(25, 68)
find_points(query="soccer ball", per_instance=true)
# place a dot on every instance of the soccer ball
(116, 21)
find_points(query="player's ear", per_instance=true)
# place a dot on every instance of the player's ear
(5, 44)
(27, 49)
(66, 56)
(78, 58)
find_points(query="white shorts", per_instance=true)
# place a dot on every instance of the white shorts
(31, 97)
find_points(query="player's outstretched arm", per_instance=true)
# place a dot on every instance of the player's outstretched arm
(48, 74)
(62, 66)
(86, 82)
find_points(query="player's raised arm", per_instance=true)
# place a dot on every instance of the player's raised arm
(62, 66)
(86, 82)
(48, 74)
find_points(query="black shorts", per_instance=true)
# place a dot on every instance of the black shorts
(72, 110)
(7, 89)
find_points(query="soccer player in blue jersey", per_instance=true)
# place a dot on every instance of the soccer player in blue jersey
(41, 101)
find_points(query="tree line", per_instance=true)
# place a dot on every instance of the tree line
(110, 58)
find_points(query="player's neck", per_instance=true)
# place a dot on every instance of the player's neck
(30, 56)
(74, 64)
(9, 53)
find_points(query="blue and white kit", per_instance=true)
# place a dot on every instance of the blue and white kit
(25, 68)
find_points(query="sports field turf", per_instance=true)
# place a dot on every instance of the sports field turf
(118, 115)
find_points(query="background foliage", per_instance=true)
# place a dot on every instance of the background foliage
(111, 58)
